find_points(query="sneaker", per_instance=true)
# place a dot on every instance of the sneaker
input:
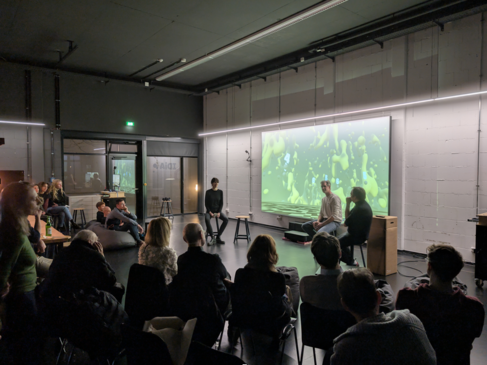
(219, 241)
(355, 263)
(212, 242)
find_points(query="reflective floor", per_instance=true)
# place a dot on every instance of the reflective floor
(292, 254)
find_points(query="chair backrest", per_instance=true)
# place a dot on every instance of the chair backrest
(319, 327)
(200, 354)
(147, 295)
(144, 347)
(191, 297)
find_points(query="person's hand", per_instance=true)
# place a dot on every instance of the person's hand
(228, 283)
(212, 215)
(54, 205)
(140, 229)
(218, 215)
(5, 291)
(41, 247)
(349, 199)
(111, 226)
(38, 214)
(99, 247)
(315, 225)
(121, 224)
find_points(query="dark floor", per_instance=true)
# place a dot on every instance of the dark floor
(292, 254)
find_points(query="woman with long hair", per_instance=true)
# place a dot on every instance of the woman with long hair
(260, 297)
(56, 202)
(155, 252)
(18, 272)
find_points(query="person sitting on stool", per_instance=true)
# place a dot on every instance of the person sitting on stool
(330, 216)
(358, 220)
(214, 205)
(121, 214)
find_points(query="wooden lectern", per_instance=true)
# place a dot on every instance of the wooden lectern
(382, 245)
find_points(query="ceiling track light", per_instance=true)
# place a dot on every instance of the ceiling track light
(394, 106)
(276, 27)
(182, 60)
(159, 60)
(22, 123)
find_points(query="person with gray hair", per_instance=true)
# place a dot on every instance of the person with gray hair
(330, 216)
(207, 267)
(79, 266)
(396, 338)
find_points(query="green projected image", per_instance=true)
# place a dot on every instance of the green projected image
(295, 161)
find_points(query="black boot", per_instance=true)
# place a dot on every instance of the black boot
(74, 225)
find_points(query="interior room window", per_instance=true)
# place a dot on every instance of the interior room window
(84, 146)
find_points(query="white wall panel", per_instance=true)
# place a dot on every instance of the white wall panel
(434, 147)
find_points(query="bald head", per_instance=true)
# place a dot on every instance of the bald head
(193, 234)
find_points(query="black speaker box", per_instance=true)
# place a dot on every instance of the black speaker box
(481, 252)
(295, 226)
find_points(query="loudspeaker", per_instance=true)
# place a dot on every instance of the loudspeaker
(481, 252)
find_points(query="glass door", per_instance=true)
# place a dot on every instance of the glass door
(121, 176)
(163, 181)
(190, 183)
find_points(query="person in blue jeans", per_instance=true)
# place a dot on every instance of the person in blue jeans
(330, 216)
(56, 204)
(122, 220)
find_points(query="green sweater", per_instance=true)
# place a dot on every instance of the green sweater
(17, 265)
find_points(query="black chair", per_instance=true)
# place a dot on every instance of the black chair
(361, 251)
(319, 327)
(215, 234)
(147, 295)
(200, 354)
(144, 347)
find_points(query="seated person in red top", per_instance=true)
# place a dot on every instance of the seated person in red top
(452, 319)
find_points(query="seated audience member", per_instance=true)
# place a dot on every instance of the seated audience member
(96, 183)
(80, 298)
(100, 217)
(452, 319)
(358, 221)
(395, 338)
(79, 266)
(155, 252)
(260, 298)
(123, 220)
(321, 290)
(208, 267)
(56, 204)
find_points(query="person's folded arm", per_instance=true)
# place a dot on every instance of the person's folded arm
(118, 215)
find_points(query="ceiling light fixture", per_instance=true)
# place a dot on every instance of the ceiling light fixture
(273, 28)
(22, 123)
(345, 113)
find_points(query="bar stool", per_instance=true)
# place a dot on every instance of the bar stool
(166, 209)
(361, 251)
(82, 216)
(215, 234)
(247, 229)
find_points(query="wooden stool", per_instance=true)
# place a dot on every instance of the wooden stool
(166, 209)
(82, 216)
(361, 251)
(247, 230)
(215, 234)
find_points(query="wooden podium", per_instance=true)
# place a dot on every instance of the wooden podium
(382, 245)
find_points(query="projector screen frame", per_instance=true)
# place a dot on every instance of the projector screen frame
(389, 122)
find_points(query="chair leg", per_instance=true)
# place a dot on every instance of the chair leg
(247, 229)
(63, 349)
(241, 345)
(282, 352)
(314, 355)
(236, 231)
(302, 354)
(297, 347)
(221, 338)
(362, 252)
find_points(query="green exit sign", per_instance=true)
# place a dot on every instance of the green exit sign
(130, 124)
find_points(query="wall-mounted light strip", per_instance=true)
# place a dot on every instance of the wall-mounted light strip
(273, 28)
(394, 106)
(22, 123)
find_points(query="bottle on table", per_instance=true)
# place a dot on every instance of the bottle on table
(48, 227)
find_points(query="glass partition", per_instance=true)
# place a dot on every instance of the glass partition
(84, 173)
(190, 181)
(163, 181)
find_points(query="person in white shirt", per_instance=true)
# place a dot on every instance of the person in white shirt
(330, 216)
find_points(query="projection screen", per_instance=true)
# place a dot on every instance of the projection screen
(295, 161)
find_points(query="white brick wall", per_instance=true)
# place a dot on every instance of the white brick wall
(434, 149)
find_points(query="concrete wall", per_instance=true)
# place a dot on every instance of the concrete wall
(87, 104)
(434, 147)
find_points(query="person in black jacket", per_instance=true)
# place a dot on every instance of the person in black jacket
(100, 217)
(208, 268)
(358, 220)
(214, 206)
(56, 202)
